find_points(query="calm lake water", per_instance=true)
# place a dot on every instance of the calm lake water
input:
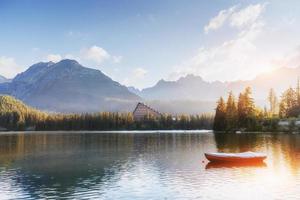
(145, 166)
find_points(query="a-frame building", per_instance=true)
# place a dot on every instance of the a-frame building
(141, 110)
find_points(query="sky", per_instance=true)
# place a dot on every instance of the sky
(139, 42)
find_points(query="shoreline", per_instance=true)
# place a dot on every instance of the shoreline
(256, 132)
(110, 131)
(200, 131)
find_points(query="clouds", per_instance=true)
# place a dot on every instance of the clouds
(218, 21)
(291, 59)
(241, 57)
(136, 78)
(235, 17)
(139, 73)
(246, 16)
(54, 57)
(117, 59)
(98, 55)
(8, 67)
(95, 54)
(92, 57)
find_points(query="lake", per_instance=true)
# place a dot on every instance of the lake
(145, 165)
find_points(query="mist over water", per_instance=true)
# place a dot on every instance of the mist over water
(145, 166)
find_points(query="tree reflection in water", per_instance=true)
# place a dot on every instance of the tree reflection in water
(115, 165)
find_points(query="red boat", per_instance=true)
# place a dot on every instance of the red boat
(236, 157)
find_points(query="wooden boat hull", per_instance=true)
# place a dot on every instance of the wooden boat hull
(214, 157)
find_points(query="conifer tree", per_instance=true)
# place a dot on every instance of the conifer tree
(282, 109)
(298, 92)
(288, 104)
(241, 110)
(220, 116)
(273, 102)
(231, 113)
(249, 102)
(246, 109)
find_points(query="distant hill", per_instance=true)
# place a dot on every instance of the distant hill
(67, 86)
(15, 115)
(186, 88)
(3, 79)
(10, 104)
(196, 89)
(134, 90)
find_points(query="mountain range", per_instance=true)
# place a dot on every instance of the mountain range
(189, 87)
(69, 87)
(195, 88)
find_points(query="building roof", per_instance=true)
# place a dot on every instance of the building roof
(144, 105)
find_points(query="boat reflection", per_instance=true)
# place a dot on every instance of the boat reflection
(213, 165)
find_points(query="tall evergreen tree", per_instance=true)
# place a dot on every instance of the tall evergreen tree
(288, 103)
(220, 116)
(272, 101)
(241, 110)
(249, 102)
(246, 109)
(282, 109)
(298, 92)
(231, 113)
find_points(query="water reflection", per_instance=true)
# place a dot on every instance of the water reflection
(55, 164)
(213, 165)
(132, 166)
(282, 149)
